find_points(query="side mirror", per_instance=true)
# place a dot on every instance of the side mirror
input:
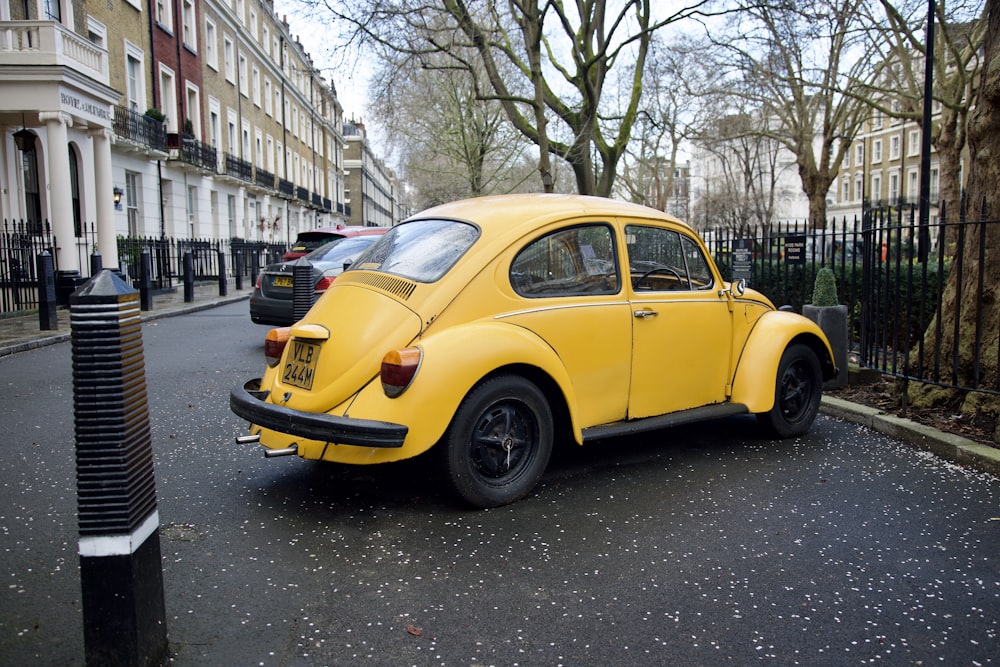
(739, 287)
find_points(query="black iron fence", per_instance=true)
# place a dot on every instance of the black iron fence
(891, 274)
(22, 242)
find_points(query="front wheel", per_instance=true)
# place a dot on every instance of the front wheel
(797, 392)
(499, 442)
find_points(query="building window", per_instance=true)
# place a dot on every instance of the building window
(165, 14)
(877, 151)
(135, 81)
(211, 53)
(845, 191)
(189, 30)
(859, 155)
(894, 148)
(194, 109)
(253, 25)
(265, 40)
(132, 182)
(255, 86)
(858, 185)
(268, 103)
(894, 188)
(914, 148)
(243, 76)
(227, 55)
(168, 98)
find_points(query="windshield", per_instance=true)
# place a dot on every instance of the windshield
(422, 250)
(340, 250)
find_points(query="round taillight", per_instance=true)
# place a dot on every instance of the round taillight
(323, 283)
(398, 370)
(274, 344)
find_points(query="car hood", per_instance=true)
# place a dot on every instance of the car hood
(363, 324)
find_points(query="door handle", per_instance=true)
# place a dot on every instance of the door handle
(643, 314)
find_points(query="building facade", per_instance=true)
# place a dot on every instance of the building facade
(190, 119)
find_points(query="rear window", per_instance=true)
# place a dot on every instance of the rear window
(308, 241)
(340, 249)
(422, 250)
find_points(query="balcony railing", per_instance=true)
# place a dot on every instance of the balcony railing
(238, 168)
(198, 153)
(302, 194)
(140, 129)
(317, 200)
(34, 43)
(327, 205)
(264, 179)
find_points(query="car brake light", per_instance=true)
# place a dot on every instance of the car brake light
(274, 344)
(323, 283)
(256, 284)
(398, 369)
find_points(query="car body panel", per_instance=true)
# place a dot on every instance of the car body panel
(596, 359)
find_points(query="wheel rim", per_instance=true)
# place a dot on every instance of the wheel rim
(796, 392)
(503, 442)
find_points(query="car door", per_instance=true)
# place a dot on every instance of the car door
(681, 326)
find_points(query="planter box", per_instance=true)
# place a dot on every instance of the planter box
(833, 321)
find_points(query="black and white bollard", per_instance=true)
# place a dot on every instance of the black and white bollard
(47, 320)
(124, 615)
(302, 288)
(188, 277)
(223, 278)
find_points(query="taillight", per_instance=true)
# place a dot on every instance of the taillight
(398, 369)
(256, 284)
(323, 283)
(274, 344)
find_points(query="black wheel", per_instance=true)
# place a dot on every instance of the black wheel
(499, 441)
(797, 392)
(660, 269)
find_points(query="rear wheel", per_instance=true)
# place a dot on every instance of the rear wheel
(797, 392)
(499, 441)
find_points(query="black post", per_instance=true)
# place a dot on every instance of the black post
(188, 277)
(302, 287)
(96, 263)
(238, 269)
(47, 320)
(146, 280)
(223, 278)
(124, 614)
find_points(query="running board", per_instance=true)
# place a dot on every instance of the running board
(663, 421)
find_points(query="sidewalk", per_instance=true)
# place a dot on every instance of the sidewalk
(21, 333)
(18, 334)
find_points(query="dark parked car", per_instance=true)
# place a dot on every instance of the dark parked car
(312, 239)
(272, 302)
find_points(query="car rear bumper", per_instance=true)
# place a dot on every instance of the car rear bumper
(249, 403)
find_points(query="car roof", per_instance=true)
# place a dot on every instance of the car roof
(352, 230)
(518, 214)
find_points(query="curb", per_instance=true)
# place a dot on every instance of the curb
(956, 448)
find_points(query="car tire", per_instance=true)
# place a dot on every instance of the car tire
(798, 388)
(499, 441)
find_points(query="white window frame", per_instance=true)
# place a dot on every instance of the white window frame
(894, 147)
(164, 14)
(268, 98)
(137, 96)
(211, 46)
(242, 73)
(229, 58)
(189, 25)
(876, 151)
(255, 85)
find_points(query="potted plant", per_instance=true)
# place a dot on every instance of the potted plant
(826, 311)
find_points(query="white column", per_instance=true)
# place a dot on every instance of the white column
(60, 193)
(107, 243)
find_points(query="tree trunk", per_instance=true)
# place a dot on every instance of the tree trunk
(970, 306)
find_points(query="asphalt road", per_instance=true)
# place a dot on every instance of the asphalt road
(701, 545)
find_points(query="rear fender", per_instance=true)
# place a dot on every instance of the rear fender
(453, 362)
(757, 368)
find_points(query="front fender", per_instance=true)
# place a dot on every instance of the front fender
(453, 362)
(757, 367)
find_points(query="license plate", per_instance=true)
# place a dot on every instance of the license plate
(301, 365)
(282, 281)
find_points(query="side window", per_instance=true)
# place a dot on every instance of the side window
(570, 262)
(664, 260)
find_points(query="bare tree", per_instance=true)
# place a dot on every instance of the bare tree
(562, 56)
(789, 60)
(898, 92)
(452, 144)
(662, 126)
(975, 347)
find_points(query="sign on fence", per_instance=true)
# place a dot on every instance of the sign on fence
(795, 249)
(742, 259)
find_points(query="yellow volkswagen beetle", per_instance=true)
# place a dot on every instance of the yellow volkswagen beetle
(486, 328)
